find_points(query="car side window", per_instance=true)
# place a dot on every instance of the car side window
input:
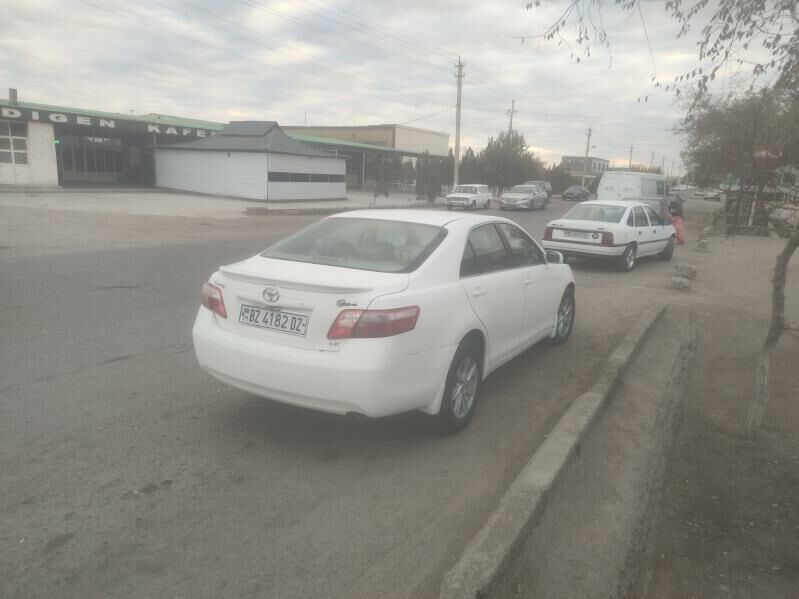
(484, 252)
(524, 252)
(654, 219)
(661, 188)
(640, 217)
(630, 220)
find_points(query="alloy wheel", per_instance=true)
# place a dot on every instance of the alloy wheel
(565, 316)
(465, 388)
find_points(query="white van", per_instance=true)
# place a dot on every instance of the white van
(642, 187)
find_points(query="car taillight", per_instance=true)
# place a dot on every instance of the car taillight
(548, 234)
(364, 324)
(607, 238)
(213, 300)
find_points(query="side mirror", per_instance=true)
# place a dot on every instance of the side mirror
(554, 257)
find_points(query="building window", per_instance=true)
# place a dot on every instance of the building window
(282, 177)
(279, 177)
(13, 143)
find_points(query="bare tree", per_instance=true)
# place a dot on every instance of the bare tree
(736, 32)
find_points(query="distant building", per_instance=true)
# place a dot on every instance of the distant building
(576, 165)
(396, 137)
(47, 145)
(251, 159)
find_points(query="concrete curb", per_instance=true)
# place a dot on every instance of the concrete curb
(261, 211)
(492, 548)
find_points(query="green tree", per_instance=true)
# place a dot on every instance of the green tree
(506, 161)
(559, 178)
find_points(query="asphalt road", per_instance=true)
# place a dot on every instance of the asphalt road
(125, 471)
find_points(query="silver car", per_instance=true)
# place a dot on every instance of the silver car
(527, 197)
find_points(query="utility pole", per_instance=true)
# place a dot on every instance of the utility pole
(585, 161)
(459, 76)
(652, 162)
(630, 164)
(510, 114)
(663, 166)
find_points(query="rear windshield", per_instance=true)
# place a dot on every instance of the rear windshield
(602, 213)
(365, 244)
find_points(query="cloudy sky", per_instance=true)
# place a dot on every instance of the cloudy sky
(346, 62)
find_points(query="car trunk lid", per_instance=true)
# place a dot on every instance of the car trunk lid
(583, 231)
(294, 303)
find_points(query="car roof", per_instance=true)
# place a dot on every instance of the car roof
(624, 203)
(438, 218)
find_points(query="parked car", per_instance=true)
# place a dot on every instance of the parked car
(377, 312)
(620, 230)
(469, 196)
(545, 184)
(650, 188)
(576, 192)
(525, 196)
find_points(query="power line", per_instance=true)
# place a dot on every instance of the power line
(268, 47)
(427, 116)
(306, 78)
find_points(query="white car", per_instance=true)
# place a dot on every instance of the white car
(622, 230)
(377, 312)
(469, 196)
(525, 196)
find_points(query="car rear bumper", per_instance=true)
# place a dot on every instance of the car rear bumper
(586, 250)
(373, 377)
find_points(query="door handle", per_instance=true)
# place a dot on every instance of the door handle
(479, 292)
(640, 232)
(528, 282)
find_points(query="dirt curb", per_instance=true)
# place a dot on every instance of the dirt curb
(492, 548)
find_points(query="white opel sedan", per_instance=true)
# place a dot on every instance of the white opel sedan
(621, 230)
(378, 312)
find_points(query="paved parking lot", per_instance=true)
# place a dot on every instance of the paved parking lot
(125, 471)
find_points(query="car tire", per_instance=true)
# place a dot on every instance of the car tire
(668, 251)
(564, 320)
(502, 207)
(464, 381)
(449, 207)
(627, 259)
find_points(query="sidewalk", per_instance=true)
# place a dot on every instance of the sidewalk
(156, 202)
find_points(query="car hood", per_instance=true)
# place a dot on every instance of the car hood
(461, 196)
(516, 196)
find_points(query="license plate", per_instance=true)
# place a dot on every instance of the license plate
(575, 234)
(274, 320)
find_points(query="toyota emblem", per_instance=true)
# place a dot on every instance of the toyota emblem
(271, 294)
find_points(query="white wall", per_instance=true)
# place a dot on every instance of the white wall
(419, 140)
(242, 174)
(280, 191)
(306, 164)
(41, 169)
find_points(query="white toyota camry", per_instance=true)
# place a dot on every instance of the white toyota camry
(378, 312)
(622, 230)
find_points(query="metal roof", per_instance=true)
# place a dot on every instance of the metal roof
(251, 136)
(165, 119)
(176, 121)
(329, 141)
